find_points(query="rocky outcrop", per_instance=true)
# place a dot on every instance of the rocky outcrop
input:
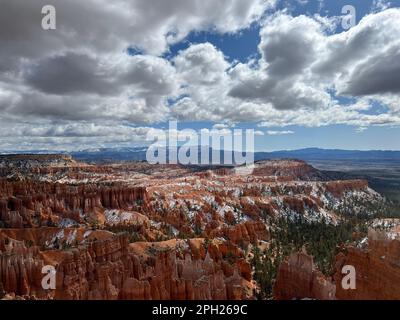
(377, 270)
(32, 204)
(288, 170)
(338, 188)
(248, 232)
(298, 278)
(20, 268)
(107, 269)
(377, 273)
(170, 278)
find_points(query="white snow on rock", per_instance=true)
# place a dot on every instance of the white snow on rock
(67, 223)
(114, 216)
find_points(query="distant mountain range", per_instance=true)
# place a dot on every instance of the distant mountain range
(331, 154)
(111, 154)
(139, 154)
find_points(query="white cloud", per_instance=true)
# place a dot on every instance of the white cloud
(279, 133)
(201, 65)
(82, 75)
(299, 70)
(380, 5)
(219, 126)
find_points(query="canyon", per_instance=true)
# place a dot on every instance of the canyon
(134, 230)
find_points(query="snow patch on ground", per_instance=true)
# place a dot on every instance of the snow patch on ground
(67, 223)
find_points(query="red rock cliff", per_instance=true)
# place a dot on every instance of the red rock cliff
(299, 279)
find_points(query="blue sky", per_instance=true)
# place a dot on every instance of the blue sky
(243, 46)
(110, 75)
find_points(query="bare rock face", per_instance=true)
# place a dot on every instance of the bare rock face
(95, 271)
(248, 232)
(298, 279)
(28, 204)
(377, 270)
(337, 188)
(376, 265)
(2, 291)
(108, 269)
(20, 268)
(168, 276)
(287, 170)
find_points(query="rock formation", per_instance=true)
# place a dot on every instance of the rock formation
(109, 269)
(377, 267)
(298, 278)
(137, 231)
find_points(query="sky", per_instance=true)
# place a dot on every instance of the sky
(112, 73)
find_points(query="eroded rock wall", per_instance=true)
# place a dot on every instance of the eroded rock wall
(298, 278)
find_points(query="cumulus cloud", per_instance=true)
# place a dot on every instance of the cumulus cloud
(377, 75)
(289, 46)
(104, 26)
(81, 74)
(303, 68)
(68, 73)
(67, 135)
(86, 56)
(201, 64)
